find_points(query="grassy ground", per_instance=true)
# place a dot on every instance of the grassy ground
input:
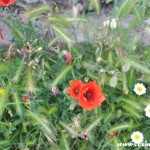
(37, 112)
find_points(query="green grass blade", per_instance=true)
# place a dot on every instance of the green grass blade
(40, 120)
(97, 6)
(64, 36)
(3, 68)
(36, 11)
(68, 128)
(136, 65)
(120, 127)
(66, 144)
(58, 20)
(19, 109)
(18, 72)
(3, 100)
(93, 124)
(126, 7)
(61, 75)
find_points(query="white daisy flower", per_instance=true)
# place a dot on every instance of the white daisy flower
(147, 110)
(137, 137)
(139, 89)
(113, 24)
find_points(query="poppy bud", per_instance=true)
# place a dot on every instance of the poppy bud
(110, 135)
(68, 58)
(26, 98)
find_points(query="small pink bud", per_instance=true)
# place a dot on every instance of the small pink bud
(84, 135)
(1, 36)
(54, 91)
(22, 52)
(68, 58)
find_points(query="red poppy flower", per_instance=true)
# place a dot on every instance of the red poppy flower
(6, 2)
(75, 89)
(91, 96)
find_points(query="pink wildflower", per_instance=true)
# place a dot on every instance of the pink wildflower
(54, 91)
(84, 135)
(1, 36)
(68, 58)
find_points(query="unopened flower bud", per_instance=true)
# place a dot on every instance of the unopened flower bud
(113, 24)
(54, 91)
(101, 71)
(86, 79)
(37, 60)
(68, 58)
(99, 59)
(84, 135)
(71, 106)
(114, 133)
(106, 23)
(63, 52)
(40, 48)
(30, 63)
(126, 67)
(113, 81)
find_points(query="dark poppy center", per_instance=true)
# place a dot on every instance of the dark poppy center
(88, 95)
(5, 1)
(76, 91)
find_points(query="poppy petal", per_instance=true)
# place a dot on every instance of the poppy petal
(6, 2)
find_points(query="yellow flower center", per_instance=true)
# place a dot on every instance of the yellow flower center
(149, 110)
(137, 137)
(139, 89)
